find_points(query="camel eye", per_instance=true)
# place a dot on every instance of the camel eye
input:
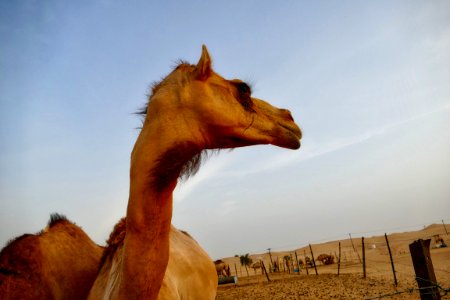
(243, 88)
(244, 95)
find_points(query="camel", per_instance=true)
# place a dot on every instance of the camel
(191, 110)
(326, 259)
(222, 268)
(255, 266)
(60, 262)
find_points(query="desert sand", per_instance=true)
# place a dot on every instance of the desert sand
(350, 284)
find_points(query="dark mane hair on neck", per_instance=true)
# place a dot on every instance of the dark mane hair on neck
(191, 167)
(182, 161)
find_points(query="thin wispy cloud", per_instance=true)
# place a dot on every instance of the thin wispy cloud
(307, 152)
(314, 151)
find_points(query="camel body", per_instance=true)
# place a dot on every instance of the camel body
(188, 276)
(190, 273)
(61, 262)
(222, 268)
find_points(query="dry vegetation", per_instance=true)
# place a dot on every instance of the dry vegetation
(350, 284)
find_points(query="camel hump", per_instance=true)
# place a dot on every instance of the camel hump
(23, 254)
(20, 266)
(27, 245)
(56, 218)
(34, 266)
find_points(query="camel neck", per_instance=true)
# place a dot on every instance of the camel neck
(155, 167)
(153, 177)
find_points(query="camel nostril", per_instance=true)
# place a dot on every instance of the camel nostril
(290, 117)
(286, 114)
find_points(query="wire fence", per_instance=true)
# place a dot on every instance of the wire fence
(432, 290)
(380, 258)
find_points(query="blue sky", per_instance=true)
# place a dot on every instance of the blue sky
(368, 82)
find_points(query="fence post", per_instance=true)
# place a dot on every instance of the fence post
(423, 266)
(270, 255)
(364, 257)
(306, 264)
(263, 267)
(292, 263)
(354, 249)
(288, 266)
(339, 258)
(313, 260)
(235, 269)
(298, 265)
(278, 269)
(392, 261)
(443, 224)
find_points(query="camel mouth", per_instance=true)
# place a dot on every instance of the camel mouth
(292, 136)
(295, 144)
(293, 129)
(296, 131)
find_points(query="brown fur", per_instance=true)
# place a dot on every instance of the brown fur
(186, 267)
(114, 241)
(21, 270)
(222, 268)
(181, 158)
(35, 266)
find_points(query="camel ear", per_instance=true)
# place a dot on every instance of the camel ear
(203, 69)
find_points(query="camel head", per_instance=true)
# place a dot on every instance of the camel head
(218, 113)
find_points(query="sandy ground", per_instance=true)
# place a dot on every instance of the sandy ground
(350, 284)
